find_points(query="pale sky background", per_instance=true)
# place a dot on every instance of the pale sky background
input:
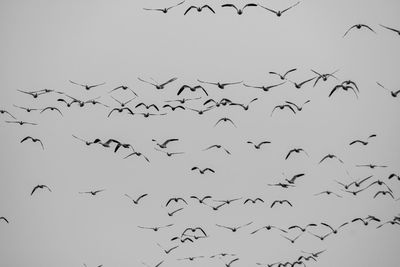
(46, 43)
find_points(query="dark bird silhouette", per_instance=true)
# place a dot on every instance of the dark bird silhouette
(265, 88)
(124, 88)
(392, 93)
(358, 27)
(93, 193)
(279, 12)
(357, 183)
(222, 254)
(156, 228)
(268, 227)
(159, 86)
(167, 251)
(228, 201)
(363, 142)
(282, 77)
(391, 29)
(194, 230)
(147, 106)
(334, 230)
(282, 185)
(176, 200)
(365, 221)
(164, 10)
(192, 258)
(66, 102)
(22, 122)
(192, 89)
(234, 229)
(40, 186)
(34, 140)
(314, 254)
(230, 262)
(4, 219)
(123, 103)
(328, 192)
(200, 111)
(384, 193)
(220, 85)
(138, 154)
(344, 88)
(222, 102)
(371, 166)
(51, 109)
(36, 94)
(216, 208)
(392, 222)
(120, 110)
(199, 8)
(394, 175)
(183, 100)
(303, 229)
(320, 237)
(294, 178)
(201, 200)
(157, 265)
(87, 87)
(354, 193)
(281, 107)
(136, 201)
(244, 106)
(300, 84)
(324, 76)
(254, 201)
(26, 109)
(330, 156)
(169, 154)
(94, 102)
(281, 202)
(219, 147)
(238, 10)
(202, 171)
(258, 145)
(164, 144)
(88, 143)
(170, 214)
(351, 83)
(183, 240)
(296, 150)
(292, 240)
(299, 108)
(225, 119)
(2, 111)
(173, 108)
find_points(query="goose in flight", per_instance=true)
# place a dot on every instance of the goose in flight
(199, 8)
(202, 171)
(295, 150)
(40, 186)
(258, 145)
(281, 202)
(281, 107)
(123, 88)
(238, 10)
(225, 120)
(265, 88)
(123, 103)
(192, 89)
(164, 144)
(34, 140)
(22, 122)
(169, 154)
(156, 228)
(93, 193)
(220, 85)
(165, 9)
(344, 88)
(136, 201)
(86, 86)
(268, 227)
(234, 229)
(36, 94)
(363, 142)
(51, 109)
(324, 76)
(358, 27)
(27, 109)
(219, 147)
(279, 13)
(244, 106)
(299, 108)
(283, 76)
(159, 86)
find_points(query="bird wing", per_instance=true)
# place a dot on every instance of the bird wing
(368, 27)
(26, 138)
(207, 6)
(170, 80)
(230, 5)
(250, 4)
(291, 103)
(76, 83)
(290, 7)
(392, 29)
(334, 89)
(95, 85)
(273, 11)
(349, 30)
(187, 10)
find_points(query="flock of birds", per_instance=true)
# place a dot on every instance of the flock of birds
(196, 99)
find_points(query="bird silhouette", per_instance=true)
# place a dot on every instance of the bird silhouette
(4, 219)
(219, 147)
(320, 237)
(238, 10)
(123, 88)
(123, 103)
(202, 171)
(292, 240)
(173, 108)
(327, 192)
(200, 111)
(265, 88)
(22, 122)
(344, 88)
(358, 27)
(363, 142)
(156, 228)
(330, 156)
(220, 85)
(167, 251)
(268, 227)
(282, 76)
(159, 86)
(228, 201)
(120, 110)
(392, 93)
(51, 109)
(244, 106)
(394, 175)
(258, 145)
(371, 166)
(324, 76)
(183, 100)
(281, 107)
(300, 84)
(296, 150)
(192, 89)
(192, 258)
(254, 201)
(201, 199)
(199, 8)
(299, 108)
(302, 229)
(40, 186)
(34, 140)
(279, 13)
(27, 109)
(225, 119)
(136, 201)
(87, 87)
(281, 202)
(234, 229)
(164, 144)
(176, 200)
(3, 111)
(222, 102)
(230, 262)
(164, 10)
(147, 106)
(169, 154)
(384, 193)
(138, 154)
(93, 193)
(335, 230)
(36, 94)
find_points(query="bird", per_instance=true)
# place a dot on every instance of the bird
(384, 193)
(170, 214)
(230, 262)
(229, 201)
(192, 89)
(282, 185)
(330, 156)
(327, 192)
(394, 175)
(265, 88)
(194, 230)
(183, 100)
(176, 200)
(169, 154)
(358, 27)
(159, 86)
(192, 258)
(283, 77)
(34, 140)
(138, 154)
(392, 222)
(124, 88)
(202, 171)
(302, 229)
(254, 201)
(219, 147)
(354, 193)
(120, 110)
(321, 237)
(234, 229)
(371, 166)
(164, 144)
(87, 87)
(245, 107)
(279, 13)
(22, 122)
(363, 220)
(344, 88)
(123, 103)
(392, 93)
(314, 254)
(4, 219)
(295, 150)
(268, 227)
(183, 240)
(93, 193)
(216, 208)
(357, 183)
(200, 111)
(88, 143)
(281, 202)
(26, 109)
(167, 251)
(300, 84)
(147, 106)
(51, 109)
(66, 102)
(157, 265)
(292, 240)
(222, 102)
(136, 201)
(94, 102)
(201, 199)
(281, 107)
(225, 119)
(258, 145)
(164, 10)
(199, 8)
(36, 94)
(222, 254)
(173, 108)
(299, 108)
(294, 178)
(335, 230)
(147, 114)
(40, 186)
(239, 11)
(363, 142)
(3, 111)
(220, 85)
(156, 228)
(389, 28)
(324, 76)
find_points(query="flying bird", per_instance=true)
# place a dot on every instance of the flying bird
(234, 229)
(295, 150)
(294, 178)
(281, 202)
(202, 199)
(282, 76)
(220, 85)
(281, 107)
(169, 154)
(371, 166)
(167, 251)
(164, 144)
(4, 219)
(124, 88)
(392, 93)
(344, 88)
(93, 193)
(136, 201)
(120, 110)
(22, 122)
(173, 108)
(138, 154)
(183, 100)
(199, 8)
(34, 140)
(202, 171)
(327, 192)
(176, 200)
(299, 108)
(26, 109)
(225, 120)
(164, 10)
(302, 229)
(384, 193)
(123, 103)
(324, 76)
(51, 109)
(279, 12)
(268, 227)
(300, 84)
(219, 147)
(334, 230)
(36, 94)
(147, 106)
(330, 156)
(159, 86)
(363, 142)
(265, 88)
(192, 89)
(258, 145)
(254, 201)
(358, 27)
(87, 87)
(41, 186)
(244, 106)
(156, 228)
(238, 10)
(292, 240)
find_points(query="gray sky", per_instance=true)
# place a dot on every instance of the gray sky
(46, 43)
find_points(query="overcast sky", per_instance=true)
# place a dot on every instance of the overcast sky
(44, 44)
